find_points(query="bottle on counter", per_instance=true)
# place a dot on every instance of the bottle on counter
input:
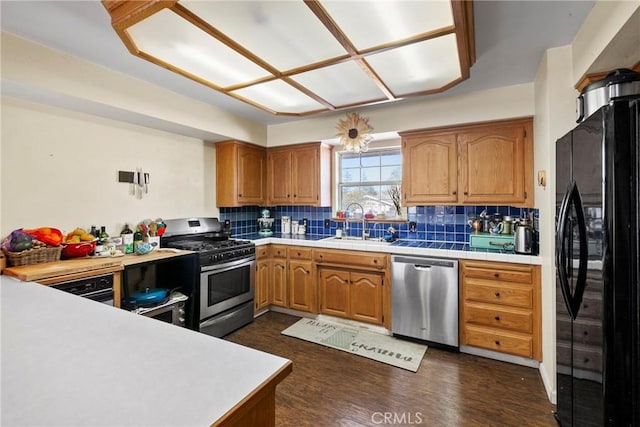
(100, 242)
(104, 236)
(127, 239)
(137, 238)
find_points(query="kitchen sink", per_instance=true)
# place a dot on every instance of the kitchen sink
(358, 240)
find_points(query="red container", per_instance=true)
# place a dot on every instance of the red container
(78, 250)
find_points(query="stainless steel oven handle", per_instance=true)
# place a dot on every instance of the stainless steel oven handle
(228, 265)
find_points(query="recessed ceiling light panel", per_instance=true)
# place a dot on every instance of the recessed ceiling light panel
(341, 84)
(279, 96)
(377, 22)
(175, 41)
(419, 67)
(304, 57)
(283, 33)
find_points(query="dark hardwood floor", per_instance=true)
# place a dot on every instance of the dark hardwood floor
(330, 388)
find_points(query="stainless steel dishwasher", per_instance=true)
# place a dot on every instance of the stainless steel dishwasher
(424, 299)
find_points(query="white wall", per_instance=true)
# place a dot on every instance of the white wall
(41, 73)
(59, 168)
(500, 103)
(555, 115)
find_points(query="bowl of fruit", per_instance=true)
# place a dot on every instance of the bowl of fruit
(78, 244)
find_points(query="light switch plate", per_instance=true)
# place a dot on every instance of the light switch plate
(542, 178)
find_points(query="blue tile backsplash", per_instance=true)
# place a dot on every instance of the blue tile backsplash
(446, 224)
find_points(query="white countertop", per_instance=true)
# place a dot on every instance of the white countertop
(393, 249)
(67, 360)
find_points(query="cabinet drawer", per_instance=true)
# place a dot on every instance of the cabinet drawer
(504, 342)
(499, 271)
(278, 251)
(504, 294)
(262, 252)
(515, 320)
(299, 253)
(362, 259)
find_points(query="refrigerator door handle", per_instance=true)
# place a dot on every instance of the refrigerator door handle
(561, 251)
(564, 249)
(581, 282)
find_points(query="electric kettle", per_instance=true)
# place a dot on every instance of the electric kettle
(523, 237)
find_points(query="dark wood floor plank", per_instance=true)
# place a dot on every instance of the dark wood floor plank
(330, 388)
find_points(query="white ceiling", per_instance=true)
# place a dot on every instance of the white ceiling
(511, 37)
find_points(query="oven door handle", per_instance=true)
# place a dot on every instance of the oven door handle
(227, 265)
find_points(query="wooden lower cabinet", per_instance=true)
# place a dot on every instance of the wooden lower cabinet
(339, 283)
(366, 297)
(351, 294)
(279, 282)
(500, 307)
(333, 287)
(302, 289)
(261, 298)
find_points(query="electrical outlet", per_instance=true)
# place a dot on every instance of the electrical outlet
(327, 223)
(412, 226)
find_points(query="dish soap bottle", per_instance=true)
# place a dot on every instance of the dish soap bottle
(127, 239)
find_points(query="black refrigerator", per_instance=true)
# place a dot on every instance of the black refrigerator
(597, 269)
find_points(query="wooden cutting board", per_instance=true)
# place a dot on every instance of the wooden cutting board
(46, 270)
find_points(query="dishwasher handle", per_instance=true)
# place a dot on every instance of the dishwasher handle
(424, 263)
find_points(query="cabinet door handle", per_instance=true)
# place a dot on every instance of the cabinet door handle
(497, 318)
(454, 193)
(466, 193)
(239, 195)
(497, 342)
(295, 195)
(496, 275)
(497, 294)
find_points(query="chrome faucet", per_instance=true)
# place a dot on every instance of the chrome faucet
(364, 232)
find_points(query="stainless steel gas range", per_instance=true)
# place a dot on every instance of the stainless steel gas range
(227, 269)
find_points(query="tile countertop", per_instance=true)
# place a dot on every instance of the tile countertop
(399, 247)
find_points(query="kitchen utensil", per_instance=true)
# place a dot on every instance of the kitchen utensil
(475, 224)
(143, 248)
(147, 297)
(77, 250)
(496, 228)
(523, 237)
(507, 225)
(285, 225)
(265, 223)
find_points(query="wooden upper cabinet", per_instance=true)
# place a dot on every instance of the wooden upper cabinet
(496, 164)
(240, 174)
(299, 175)
(279, 177)
(480, 164)
(305, 175)
(429, 169)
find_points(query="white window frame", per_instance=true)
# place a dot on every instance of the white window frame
(395, 148)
